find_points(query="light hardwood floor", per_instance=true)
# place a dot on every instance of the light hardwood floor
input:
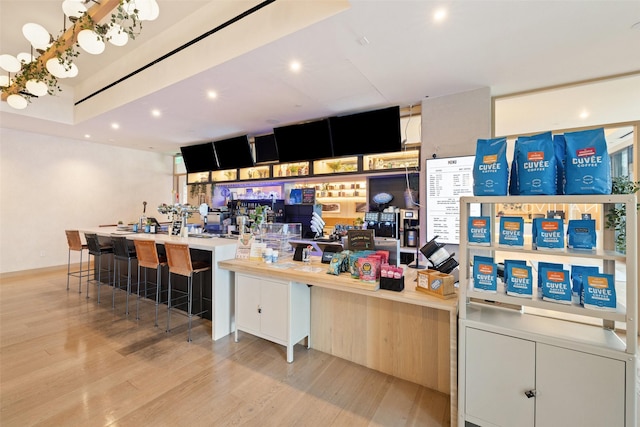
(67, 361)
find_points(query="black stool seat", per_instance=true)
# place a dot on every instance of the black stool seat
(123, 250)
(97, 249)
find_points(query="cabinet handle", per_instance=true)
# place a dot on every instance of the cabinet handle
(530, 393)
(259, 309)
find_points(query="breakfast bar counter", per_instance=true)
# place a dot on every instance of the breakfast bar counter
(407, 334)
(221, 280)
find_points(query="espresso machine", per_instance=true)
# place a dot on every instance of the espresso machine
(387, 225)
(409, 223)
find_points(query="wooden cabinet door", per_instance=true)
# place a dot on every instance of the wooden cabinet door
(499, 370)
(578, 389)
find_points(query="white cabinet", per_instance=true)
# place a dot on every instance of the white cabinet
(499, 371)
(516, 382)
(529, 362)
(278, 311)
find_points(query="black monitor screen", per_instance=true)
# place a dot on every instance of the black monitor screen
(306, 141)
(234, 153)
(199, 158)
(266, 149)
(371, 132)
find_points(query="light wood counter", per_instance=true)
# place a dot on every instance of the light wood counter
(406, 334)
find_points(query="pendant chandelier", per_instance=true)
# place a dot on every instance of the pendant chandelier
(36, 73)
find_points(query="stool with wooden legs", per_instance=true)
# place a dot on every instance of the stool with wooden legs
(122, 251)
(75, 244)
(97, 249)
(148, 258)
(179, 260)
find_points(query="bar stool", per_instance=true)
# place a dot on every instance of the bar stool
(75, 244)
(122, 251)
(148, 258)
(97, 249)
(179, 260)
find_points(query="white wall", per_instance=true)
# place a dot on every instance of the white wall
(451, 126)
(49, 184)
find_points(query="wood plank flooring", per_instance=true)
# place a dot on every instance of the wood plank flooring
(67, 361)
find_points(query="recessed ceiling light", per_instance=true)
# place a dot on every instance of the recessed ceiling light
(86, 135)
(115, 126)
(584, 114)
(440, 14)
(363, 41)
(156, 113)
(212, 94)
(295, 66)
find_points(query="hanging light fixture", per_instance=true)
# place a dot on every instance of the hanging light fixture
(37, 87)
(117, 36)
(17, 101)
(25, 57)
(91, 42)
(74, 8)
(9, 63)
(37, 35)
(37, 76)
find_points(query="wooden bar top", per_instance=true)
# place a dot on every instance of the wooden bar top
(315, 273)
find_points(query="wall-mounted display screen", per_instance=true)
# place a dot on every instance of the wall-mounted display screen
(305, 141)
(371, 132)
(199, 158)
(234, 153)
(266, 149)
(448, 179)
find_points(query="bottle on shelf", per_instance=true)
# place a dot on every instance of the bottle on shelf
(143, 217)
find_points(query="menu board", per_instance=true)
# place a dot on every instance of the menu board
(448, 179)
(308, 196)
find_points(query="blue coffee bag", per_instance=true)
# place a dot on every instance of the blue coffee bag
(547, 233)
(556, 286)
(578, 272)
(490, 168)
(485, 274)
(559, 145)
(511, 231)
(581, 234)
(547, 266)
(536, 165)
(599, 292)
(514, 186)
(588, 166)
(520, 281)
(479, 231)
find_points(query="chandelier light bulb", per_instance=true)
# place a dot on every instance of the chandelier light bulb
(25, 57)
(73, 8)
(148, 10)
(117, 36)
(72, 71)
(37, 87)
(90, 42)
(56, 68)
(10, 63)
(37, 35)
(155, 11)
(17, 102)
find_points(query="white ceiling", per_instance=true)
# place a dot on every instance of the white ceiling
(356, 55)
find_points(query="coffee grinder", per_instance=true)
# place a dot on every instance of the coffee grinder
(409, 225)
